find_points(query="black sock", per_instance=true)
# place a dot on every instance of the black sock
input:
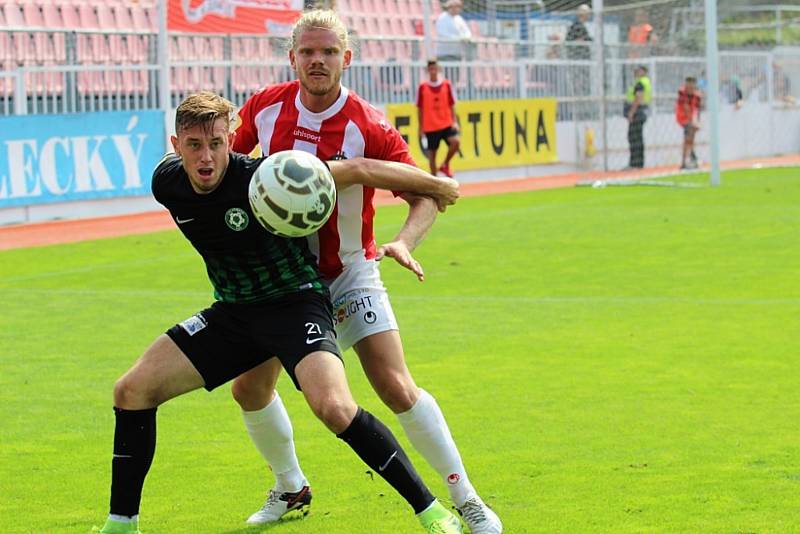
(134, 447)
(377, 446)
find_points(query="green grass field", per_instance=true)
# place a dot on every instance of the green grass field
(609, 360)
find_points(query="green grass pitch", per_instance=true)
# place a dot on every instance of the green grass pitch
(609, 360)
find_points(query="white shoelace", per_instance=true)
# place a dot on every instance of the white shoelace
(473, 512)
(272, 499)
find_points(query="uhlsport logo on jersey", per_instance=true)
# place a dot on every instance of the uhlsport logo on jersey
(304, 134)
(236, 219)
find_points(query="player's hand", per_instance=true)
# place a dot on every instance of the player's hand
(399, 251)
(446, 194)
(456, 127)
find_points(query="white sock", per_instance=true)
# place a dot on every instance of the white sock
(123, 518)
(428, 432)
(271, 432)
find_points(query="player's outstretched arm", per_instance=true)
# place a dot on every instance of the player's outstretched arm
(394, 176)
(421, 215)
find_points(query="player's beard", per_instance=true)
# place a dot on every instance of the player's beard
(322, 87)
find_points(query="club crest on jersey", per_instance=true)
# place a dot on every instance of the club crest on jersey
(236, 219)
(304, 134)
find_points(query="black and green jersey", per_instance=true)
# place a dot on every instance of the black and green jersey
(245, 263)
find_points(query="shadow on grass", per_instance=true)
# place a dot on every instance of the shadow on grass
(253, 529)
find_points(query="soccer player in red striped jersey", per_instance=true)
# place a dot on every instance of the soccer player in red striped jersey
(316, 113)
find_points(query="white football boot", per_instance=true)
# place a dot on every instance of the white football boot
(480, 518)
(278, 505)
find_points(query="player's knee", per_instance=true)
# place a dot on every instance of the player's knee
(398, 391)
(249, 394)
(455, 143)
(334, 412)
(130, 394)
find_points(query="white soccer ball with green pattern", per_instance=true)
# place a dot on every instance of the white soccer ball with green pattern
(292, 193)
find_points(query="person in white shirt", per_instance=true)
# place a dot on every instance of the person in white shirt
(452, 32)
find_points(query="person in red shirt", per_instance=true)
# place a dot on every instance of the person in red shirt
(317, 114)
(640, 35)
(687, 113)
(437, 117)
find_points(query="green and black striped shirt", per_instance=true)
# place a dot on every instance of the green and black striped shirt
(245, 263)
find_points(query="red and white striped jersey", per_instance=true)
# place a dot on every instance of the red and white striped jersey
(275, 119)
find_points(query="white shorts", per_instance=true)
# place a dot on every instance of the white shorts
(360, 304)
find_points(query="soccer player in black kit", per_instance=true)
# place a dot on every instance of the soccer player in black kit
(270, 301)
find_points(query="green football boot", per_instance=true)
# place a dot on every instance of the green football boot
(118, 527)
(439, 520)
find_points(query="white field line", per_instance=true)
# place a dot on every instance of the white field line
(687, 176)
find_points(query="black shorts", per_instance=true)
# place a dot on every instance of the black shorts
(434, 138)
(227, 339)
(688, 129)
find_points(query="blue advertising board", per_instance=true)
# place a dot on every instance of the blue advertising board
(56, 158)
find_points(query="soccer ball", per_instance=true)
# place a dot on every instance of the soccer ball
(292, 193)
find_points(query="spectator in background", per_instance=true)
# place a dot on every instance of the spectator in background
(782, 85)
(553, 50)
(578, 34)
(687, 113)
(731, 90)
(437, 117)
(578, 49)
(640, 35)
(452, 33)
(637, 106)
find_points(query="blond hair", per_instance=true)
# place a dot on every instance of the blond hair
(203, 108)
(320, 18)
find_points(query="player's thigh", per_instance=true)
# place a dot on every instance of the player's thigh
(381, 355)
(321, 377)
(222, 341)
(302, 325)
(384, 363)
(365, 320)
(450, 135)
(255, 388)
(161, 373)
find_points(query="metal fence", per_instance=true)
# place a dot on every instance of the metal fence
(113, 71)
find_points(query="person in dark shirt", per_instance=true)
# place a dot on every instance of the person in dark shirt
(579, 34)
(270, 300)
(578, 48)
(638, 98)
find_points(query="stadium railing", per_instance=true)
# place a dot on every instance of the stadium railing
(92, 70)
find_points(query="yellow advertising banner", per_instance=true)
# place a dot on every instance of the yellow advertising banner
(494, 133)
